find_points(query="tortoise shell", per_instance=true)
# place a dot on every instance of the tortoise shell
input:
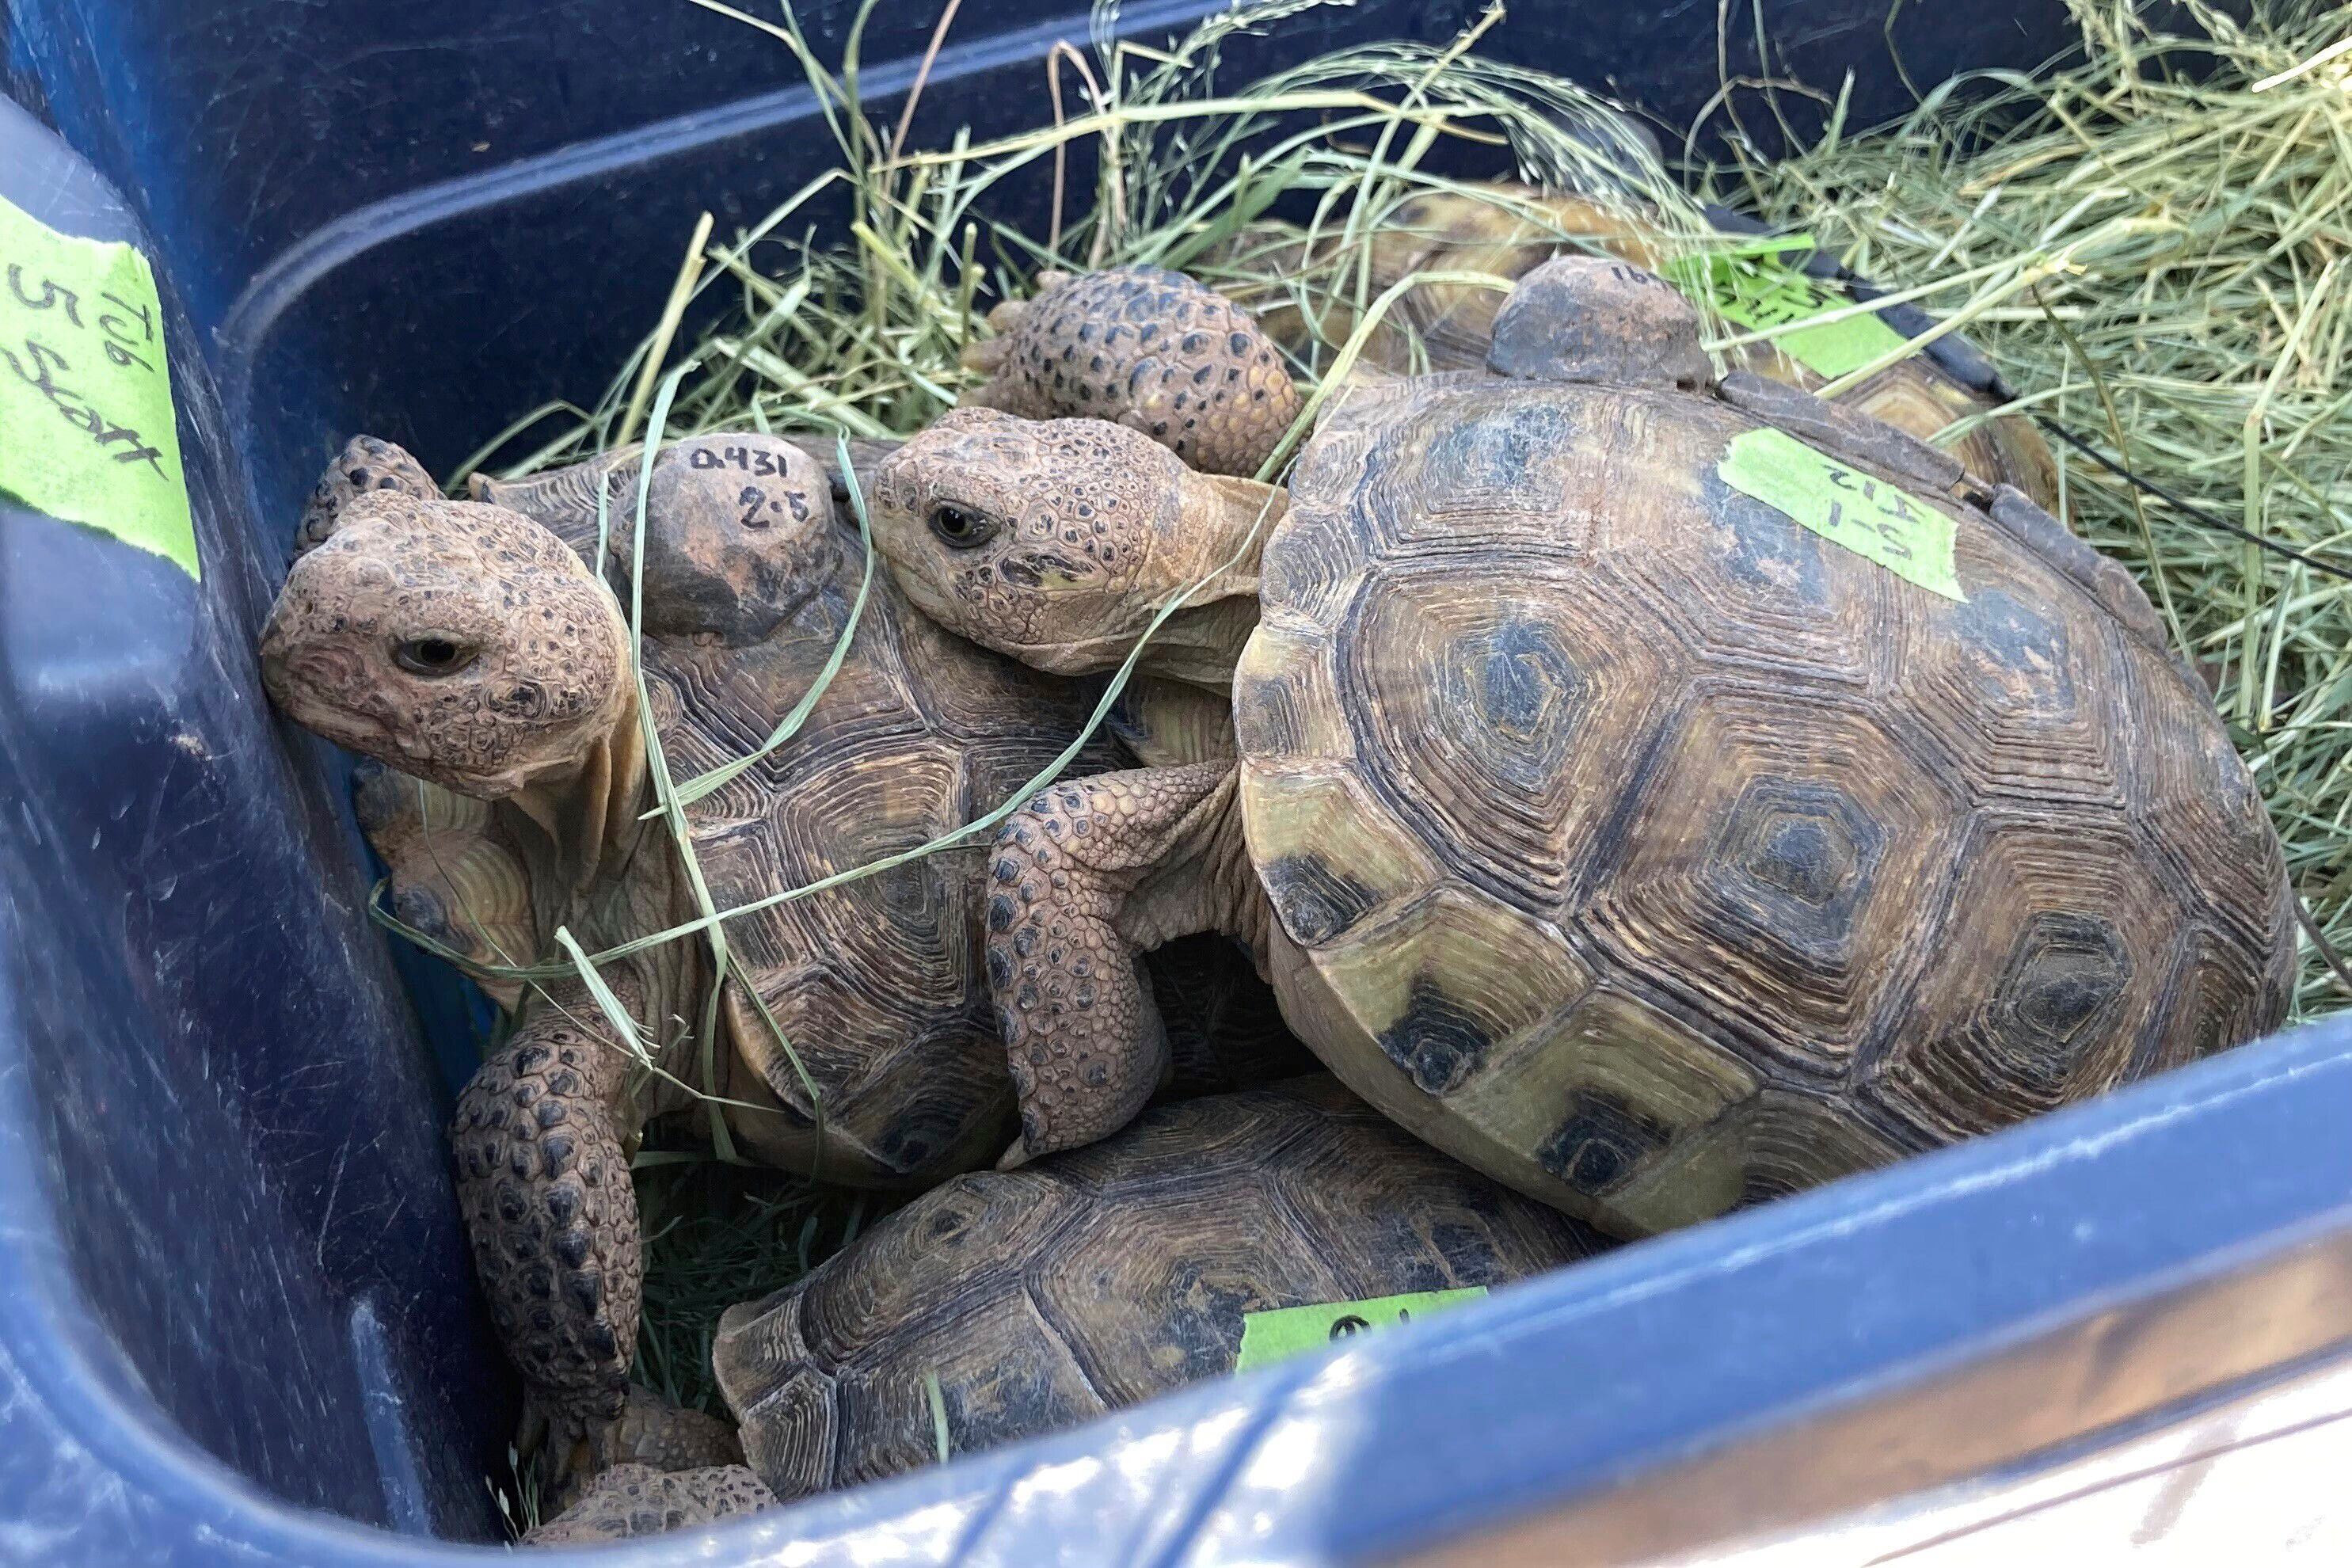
(1509, 231)
(1654, 854)
(878, 983)
(1046, 1296)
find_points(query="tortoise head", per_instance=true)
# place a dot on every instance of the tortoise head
(1056, 541)
(461, 643)
(1587, 318)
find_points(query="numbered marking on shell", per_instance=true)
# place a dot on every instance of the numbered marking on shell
(1874, 519)
(1761, 293)
(1285, 1332)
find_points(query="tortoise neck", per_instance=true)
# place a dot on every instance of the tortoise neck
(1204, 879)
(587, 816)
(1223, 525)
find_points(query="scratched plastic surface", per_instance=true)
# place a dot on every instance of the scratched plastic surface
(237, 1324)
(218, 1120)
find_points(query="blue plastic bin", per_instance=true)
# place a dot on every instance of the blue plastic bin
(236, 1320)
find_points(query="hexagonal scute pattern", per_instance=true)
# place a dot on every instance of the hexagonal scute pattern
(1560, 755)
(1040, 1296)
(875, 983)
(2052, 972)
(1777, 875)
(2021, 687)
(1494, 710)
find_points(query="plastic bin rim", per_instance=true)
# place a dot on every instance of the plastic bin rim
(2024, 1165)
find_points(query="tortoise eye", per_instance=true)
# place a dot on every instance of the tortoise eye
(433, 655)
(960, 528)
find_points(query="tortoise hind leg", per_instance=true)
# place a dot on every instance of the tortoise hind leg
(1087, 876)
(632, 1500)
(659, 1434)
(544, 1187)
(366, 463)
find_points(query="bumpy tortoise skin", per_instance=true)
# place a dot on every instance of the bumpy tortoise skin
(632, 1500)
(1046, 1296)
(366, 463)
(655, 1432)
(1657, 854)
(876, 984)
(1509, 230)
(1152, 350)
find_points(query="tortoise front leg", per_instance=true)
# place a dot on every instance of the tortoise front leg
(552, 1217)
(1087, 876)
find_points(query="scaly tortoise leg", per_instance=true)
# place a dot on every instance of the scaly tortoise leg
(544, 1186)
(632, 1500)
(655, 1432)
(366, 463)
(1086, 876)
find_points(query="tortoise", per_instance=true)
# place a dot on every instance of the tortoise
(1648, 849)
(1149, 348)
(1194, 370)
(1041, 1298)
(1507, 230)
(468, 647)
(663, 1454)
(634, 1500)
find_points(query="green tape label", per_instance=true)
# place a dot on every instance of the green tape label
(87, 428)
(1761, 292)
(1287, 1331)
(1845, 505)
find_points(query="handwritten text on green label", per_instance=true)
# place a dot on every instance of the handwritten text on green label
(1287, 1331)
(1870, 517)
(87, 429)
(1761, 292)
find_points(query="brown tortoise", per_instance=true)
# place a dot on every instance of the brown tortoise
(1594, 819)
(1044, 1297)
(1506, 231)
(469, 646)
(1153, 350)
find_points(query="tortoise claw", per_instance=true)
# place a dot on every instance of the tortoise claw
(568, 1453)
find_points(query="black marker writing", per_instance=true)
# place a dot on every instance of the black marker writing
(39, 368)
